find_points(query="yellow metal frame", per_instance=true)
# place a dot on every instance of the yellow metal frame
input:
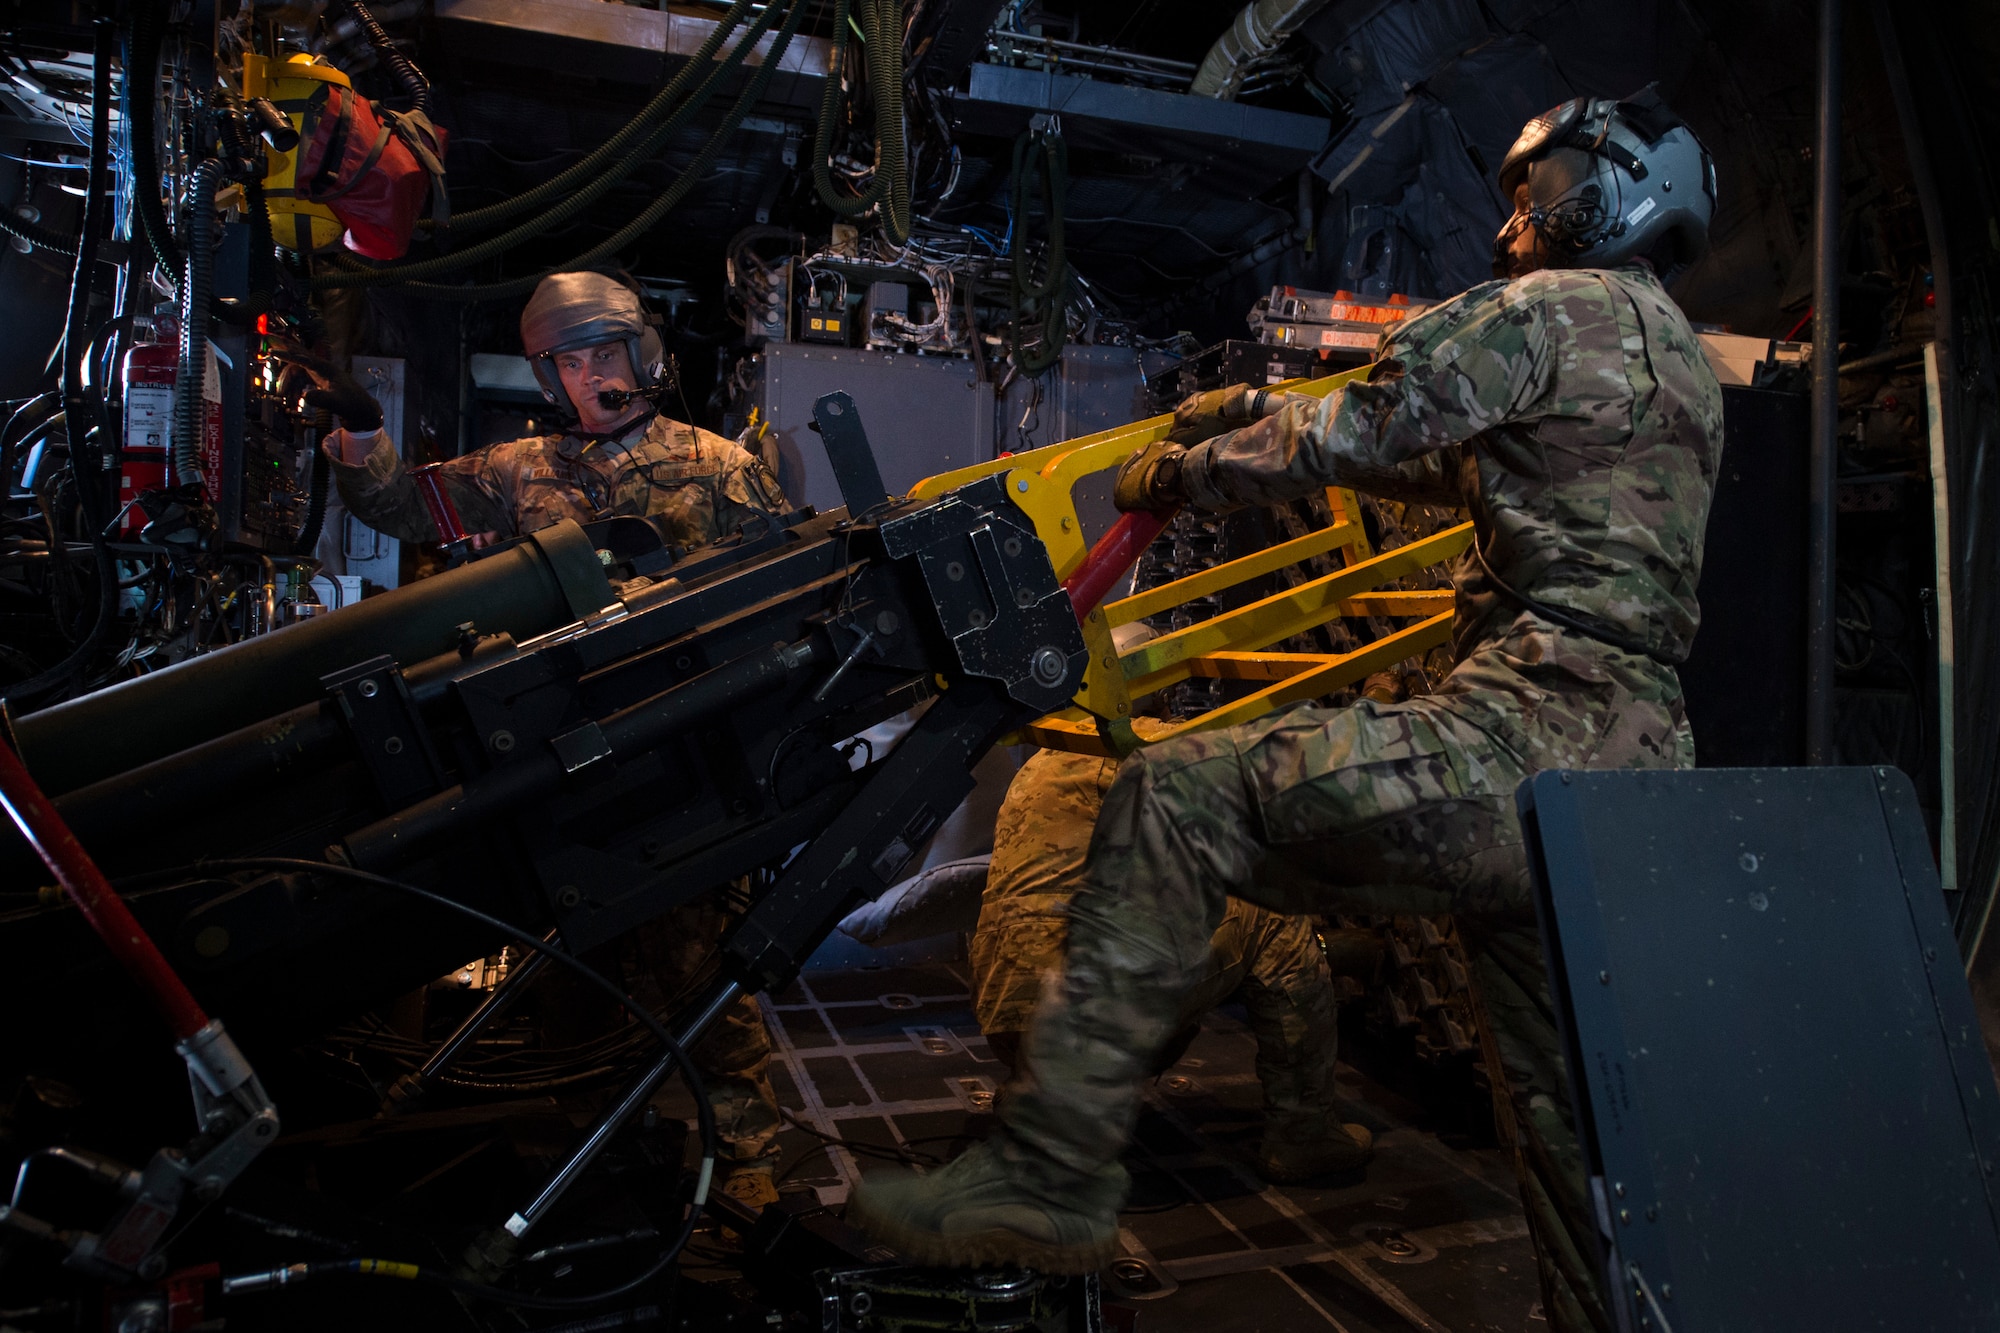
(1236, 644)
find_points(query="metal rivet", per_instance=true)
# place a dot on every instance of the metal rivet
(1022, 486)
(954, 571)
(394, 745)
(1604, 978)
(1625, 1216)
(501, 741)
(569, 896)
(1618, 1188)
(1024, 597)
(368, 689)
(1012, 546)
(1652, 1213)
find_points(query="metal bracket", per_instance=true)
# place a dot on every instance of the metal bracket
(381, 715)
(839, 427)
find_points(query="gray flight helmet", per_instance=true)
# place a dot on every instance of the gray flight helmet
(571, 311)
(1610, 181)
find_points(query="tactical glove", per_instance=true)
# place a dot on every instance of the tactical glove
(1207, 415)
(1150, 479)
(341, 394)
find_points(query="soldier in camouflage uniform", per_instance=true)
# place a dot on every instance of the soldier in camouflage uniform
(599, 363)
(1570, 410)
(1274, 963)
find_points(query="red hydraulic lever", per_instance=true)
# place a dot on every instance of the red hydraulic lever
(39, 822)
(430, 485)
(1114, 553)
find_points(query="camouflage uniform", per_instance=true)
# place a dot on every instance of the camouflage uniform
(1273, 961)
(1573, 414)
(695, 487)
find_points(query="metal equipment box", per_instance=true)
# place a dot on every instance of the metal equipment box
(1787, 1113)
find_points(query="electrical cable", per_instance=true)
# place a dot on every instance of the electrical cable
(80, 402)
(420, 271)
(884, 63)
(1039, 305)
(612, 153)
(704, 1112)
(696, 172)
(140, 92)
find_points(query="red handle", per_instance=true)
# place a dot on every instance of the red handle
(100, 904)
(1112, 556)
(430, 485)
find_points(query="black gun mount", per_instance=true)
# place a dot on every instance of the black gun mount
(684, 733)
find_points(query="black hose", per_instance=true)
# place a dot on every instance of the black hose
(27, 418)
(611, 156)
(570, 207)
(891, 187)
(196, 285)
(1040, 309)
(81, 404)
(142, 76)
(405, 69)
(695, 174)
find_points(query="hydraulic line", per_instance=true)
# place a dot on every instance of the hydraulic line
(580, 200)
(891, 187)
(196, 285)
(50, 836)
(613, 153)
(695, 173)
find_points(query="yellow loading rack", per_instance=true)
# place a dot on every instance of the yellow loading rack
(1234, 645)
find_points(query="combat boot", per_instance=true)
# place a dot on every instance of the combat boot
(1300, 1148)
(999, 1205)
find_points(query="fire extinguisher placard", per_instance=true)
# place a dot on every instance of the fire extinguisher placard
(149, 415)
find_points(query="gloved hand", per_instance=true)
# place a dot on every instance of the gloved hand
(1150, 479)
(1207, 415)
(341, 394)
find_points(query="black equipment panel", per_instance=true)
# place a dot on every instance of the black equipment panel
(1786, 1107)
(1742, 675)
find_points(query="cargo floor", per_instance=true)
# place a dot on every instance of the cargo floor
(880, 1050)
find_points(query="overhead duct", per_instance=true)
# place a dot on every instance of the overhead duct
(1254, 37)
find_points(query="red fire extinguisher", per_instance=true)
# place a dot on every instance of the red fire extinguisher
(147, 462)
(149, 425)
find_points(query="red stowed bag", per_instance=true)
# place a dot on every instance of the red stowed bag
(373, 167)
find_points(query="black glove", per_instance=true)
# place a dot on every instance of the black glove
(1150, 479)
(342, 395)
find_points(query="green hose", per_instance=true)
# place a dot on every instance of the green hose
(612, 152)
(576, 203)
(882, 20)
(1039, 304)
(668, 200)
